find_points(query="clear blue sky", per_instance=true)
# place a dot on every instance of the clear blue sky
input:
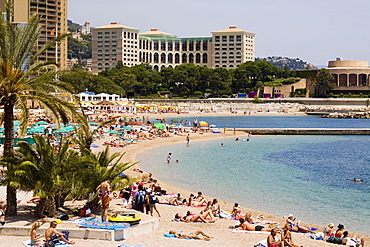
(315, 31)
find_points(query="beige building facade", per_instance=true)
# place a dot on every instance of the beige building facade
(350, 73)
(114, 42)
(53, 21)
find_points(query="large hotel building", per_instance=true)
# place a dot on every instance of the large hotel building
(226, 48)
(53, 15)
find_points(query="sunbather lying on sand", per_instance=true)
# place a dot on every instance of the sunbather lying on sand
(192, 218)
(196, 235)
(176, 200)
(249, 227)
(257, 220)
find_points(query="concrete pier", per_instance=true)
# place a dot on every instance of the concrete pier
(304, 131)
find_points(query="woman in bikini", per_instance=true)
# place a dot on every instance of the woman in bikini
(196, 235)
(34, 236)
(287, 236)
(189, 217)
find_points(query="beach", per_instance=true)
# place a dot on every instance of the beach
(222, 235)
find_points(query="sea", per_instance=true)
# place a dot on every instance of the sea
(309, 176)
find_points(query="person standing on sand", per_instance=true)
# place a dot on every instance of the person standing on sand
(225, 129)
(104, 192)
(188, 139)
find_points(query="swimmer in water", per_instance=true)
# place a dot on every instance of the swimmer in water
(357, 180)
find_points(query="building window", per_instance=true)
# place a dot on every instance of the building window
(191, 46)
(163, 46)
(185, 46)
(224, 38)
(231, 38)
(205, 45)
(217, 38)
(198, 45)
(238, 38)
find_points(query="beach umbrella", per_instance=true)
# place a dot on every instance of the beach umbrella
(94, 145)
(42, 123)
(203, 123)
(159, 126)
(112, 132)
(94, 124)
(16, 123)
(36, 129)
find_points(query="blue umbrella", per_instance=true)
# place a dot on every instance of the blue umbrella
(42, 123)
(94, 124)
(112, 132)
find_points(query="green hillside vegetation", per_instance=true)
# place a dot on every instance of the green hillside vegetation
(291, 63)
(183, 81)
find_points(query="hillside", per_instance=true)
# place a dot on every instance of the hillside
(291, 63)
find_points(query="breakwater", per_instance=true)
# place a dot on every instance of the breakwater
(304, 131)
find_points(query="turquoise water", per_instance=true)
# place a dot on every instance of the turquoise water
(308, 176)
(278, 121)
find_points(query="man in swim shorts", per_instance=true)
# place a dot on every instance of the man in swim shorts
(104, 192)
(53, 235)
(271, 239)
(250, 227)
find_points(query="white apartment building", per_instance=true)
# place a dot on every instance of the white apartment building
(226, 48)
(86, 28)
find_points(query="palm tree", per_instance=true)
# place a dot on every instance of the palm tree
(23, 79)
(46, 170)
(104, 165)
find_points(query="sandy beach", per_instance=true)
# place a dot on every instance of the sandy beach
(222, 235)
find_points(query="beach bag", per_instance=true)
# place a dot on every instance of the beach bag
(63, 217)
(49, 243)
(66, 234)
(140, 197)
(334, 240)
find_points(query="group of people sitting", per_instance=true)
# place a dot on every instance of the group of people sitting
(340, 236)
(52, 236)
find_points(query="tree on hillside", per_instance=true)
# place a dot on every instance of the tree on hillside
(21, 82)
(324, 81)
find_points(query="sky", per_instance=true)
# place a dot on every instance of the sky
(315, 31)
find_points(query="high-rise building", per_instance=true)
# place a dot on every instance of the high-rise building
(114, 42)
(53, 21)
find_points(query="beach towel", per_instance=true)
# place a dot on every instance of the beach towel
(91, 222)
(125, 245)
(262, 243)
(173, 236)
(27, 243)
(245, 231)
